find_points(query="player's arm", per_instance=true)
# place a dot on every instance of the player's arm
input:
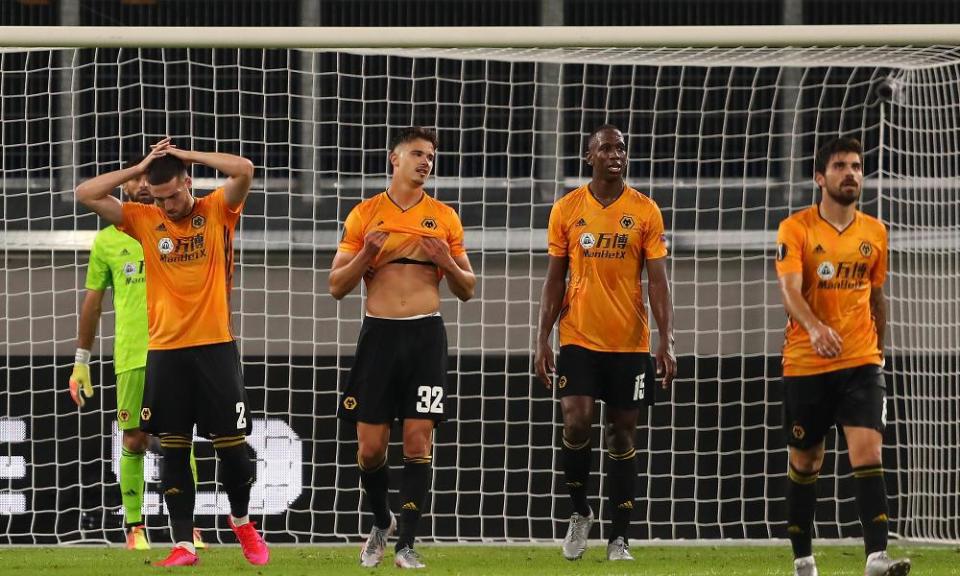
(825, 341)
(349, 267)
(90, 312)
(96, 193)
(551, 300)
(457, 269)
(238, 169)
(661, 304)
(878, 309)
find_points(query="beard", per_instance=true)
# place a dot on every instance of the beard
(842, 197)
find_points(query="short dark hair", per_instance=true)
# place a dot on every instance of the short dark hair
(835, 146)
(414, 133)
(598, 130)
(133, 160)
(164, 169)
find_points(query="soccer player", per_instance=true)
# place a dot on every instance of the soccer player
(832, 264)
(193, 373)
(116, 260)
(604, 234)
(401, 242)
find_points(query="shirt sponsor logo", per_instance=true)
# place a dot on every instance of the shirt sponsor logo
(129, 269)
(185, 250)
(604, 245)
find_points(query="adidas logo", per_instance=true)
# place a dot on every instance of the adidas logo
(410, 506)
(628, 505)
(162, 227)
(580, 223)
(819, 249)
(124, 252)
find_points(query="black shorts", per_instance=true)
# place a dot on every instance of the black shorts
(400, 371)
(848, 397)
(200, 385)
(621, 379)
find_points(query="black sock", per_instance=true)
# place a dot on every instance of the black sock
(621, 490)
(179, 491)
(237, 472)
(576, 471)
(872, 505)
(801, 506)
(413, 493)
(374, 483)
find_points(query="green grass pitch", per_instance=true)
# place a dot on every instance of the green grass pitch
(485, 559)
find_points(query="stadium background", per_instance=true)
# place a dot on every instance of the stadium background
(34, 363)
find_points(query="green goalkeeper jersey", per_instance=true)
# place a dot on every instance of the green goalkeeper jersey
(116, 260)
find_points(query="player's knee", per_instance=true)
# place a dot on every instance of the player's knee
(371, 454)
(238, 468)
(136, 440)
(576, 431)
(619, 441)
(806, 461)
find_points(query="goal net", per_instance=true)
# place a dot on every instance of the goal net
(721, 138)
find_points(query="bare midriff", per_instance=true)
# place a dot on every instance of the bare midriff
(403, 290)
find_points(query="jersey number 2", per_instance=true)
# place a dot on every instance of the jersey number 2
(431, 400)
(241, 416)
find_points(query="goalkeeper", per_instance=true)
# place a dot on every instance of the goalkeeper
(116, 260)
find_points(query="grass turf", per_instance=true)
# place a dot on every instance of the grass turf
(490, 559)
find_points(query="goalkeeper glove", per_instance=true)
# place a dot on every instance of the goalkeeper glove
(80, 384)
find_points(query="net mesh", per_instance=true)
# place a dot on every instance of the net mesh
(722, 139)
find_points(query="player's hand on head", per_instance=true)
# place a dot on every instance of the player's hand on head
(544, 364)
(156, 151)
(80, 384)
(437, 250)
(666, 360)
(825, 341)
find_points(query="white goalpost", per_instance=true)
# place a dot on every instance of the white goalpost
(722, 124)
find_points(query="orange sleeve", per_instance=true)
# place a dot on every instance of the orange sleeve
(352, 239)
(556, 234)
(455, 235)
(230, 215)
(790, 240)
(879, 273)
(133, 214)
(654, 241)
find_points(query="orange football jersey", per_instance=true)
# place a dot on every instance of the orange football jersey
(189, 265)
(606, 248)
(428, 217)
(839, 268)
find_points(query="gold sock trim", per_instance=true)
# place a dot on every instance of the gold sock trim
(800, 478)
(571, 446)
(623, 456)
